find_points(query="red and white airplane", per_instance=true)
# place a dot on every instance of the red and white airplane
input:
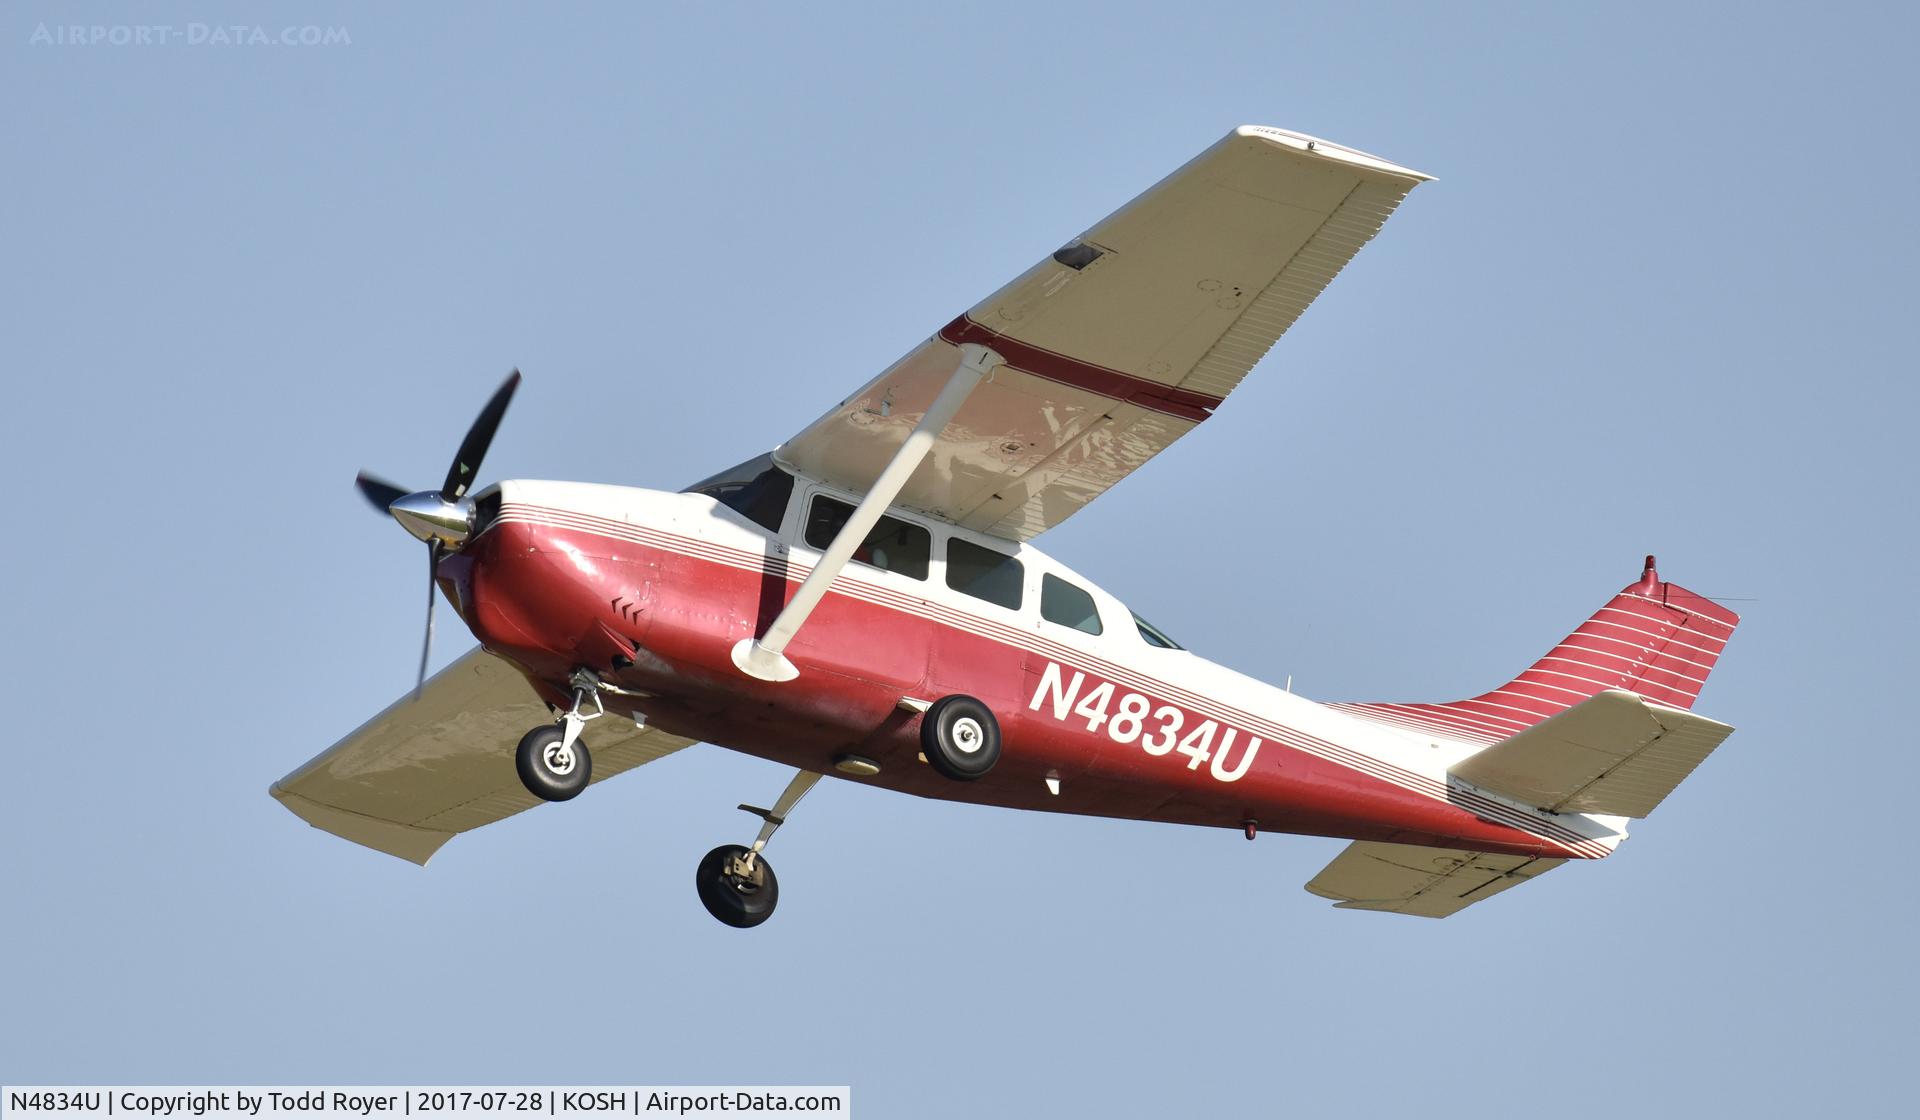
(864, 601)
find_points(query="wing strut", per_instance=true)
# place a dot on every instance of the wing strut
(766, 658)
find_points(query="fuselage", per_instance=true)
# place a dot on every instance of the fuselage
(652, 590)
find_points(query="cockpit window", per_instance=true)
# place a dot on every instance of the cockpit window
(892, 546)
(756, 490)
(1063, 604)
(1153, 636)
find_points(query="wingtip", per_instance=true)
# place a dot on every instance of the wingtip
(1327, 149)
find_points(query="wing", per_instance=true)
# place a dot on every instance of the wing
(423, 771)
(1120, 342)
(1617, 753)
(1424, 882)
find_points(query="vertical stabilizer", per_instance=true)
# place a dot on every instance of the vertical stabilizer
(1655, 639)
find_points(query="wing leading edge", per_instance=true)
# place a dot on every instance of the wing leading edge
(423, 771)
(1122, 341)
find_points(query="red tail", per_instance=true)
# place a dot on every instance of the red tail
(1657, 639)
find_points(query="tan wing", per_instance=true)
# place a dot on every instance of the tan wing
(1122, 341)
(425, 770)
(1424, 882)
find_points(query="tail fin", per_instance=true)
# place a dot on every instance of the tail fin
(1655, 639)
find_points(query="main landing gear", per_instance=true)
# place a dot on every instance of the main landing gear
(554, 764)
(960, 738)
(737, 884)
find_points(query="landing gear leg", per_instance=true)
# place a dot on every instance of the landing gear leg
(553, 763)
(737, 884)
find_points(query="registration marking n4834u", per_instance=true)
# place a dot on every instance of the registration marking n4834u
(1128, 717)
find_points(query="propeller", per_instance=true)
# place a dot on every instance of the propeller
(426, 643)
(442, 518)
(378, 490)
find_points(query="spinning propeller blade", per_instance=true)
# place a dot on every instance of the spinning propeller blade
(426, 646)
(466, 463)
(378, 490)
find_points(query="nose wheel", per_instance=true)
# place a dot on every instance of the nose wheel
(553, 763)
(551, 768)
(736, 884)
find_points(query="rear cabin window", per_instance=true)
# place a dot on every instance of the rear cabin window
(893, 545)
(985, 574)
(1063, 604)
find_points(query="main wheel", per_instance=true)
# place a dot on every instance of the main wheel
(741, 901)
(550, 770)
(960, 737)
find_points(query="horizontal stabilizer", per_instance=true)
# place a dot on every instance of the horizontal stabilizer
(1617, 754)
(1424, 882)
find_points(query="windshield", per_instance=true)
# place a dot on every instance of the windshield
(756, 489)
(1154, 635)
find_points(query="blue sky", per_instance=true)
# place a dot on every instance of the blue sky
(1658, 300)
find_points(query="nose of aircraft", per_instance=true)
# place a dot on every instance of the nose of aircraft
(432, 518)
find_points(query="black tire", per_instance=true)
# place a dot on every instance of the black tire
(740, 903)
(547, 773)
(960, 738)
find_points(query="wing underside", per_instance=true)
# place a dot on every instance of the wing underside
(424, 771)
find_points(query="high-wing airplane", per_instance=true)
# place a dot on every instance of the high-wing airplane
(863, 602)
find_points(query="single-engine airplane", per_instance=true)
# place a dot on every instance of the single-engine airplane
(864, 602)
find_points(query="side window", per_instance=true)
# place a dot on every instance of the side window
(984, 573)
(1064, 604)
(893, 545)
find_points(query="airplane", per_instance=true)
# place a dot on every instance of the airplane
(864, 601)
